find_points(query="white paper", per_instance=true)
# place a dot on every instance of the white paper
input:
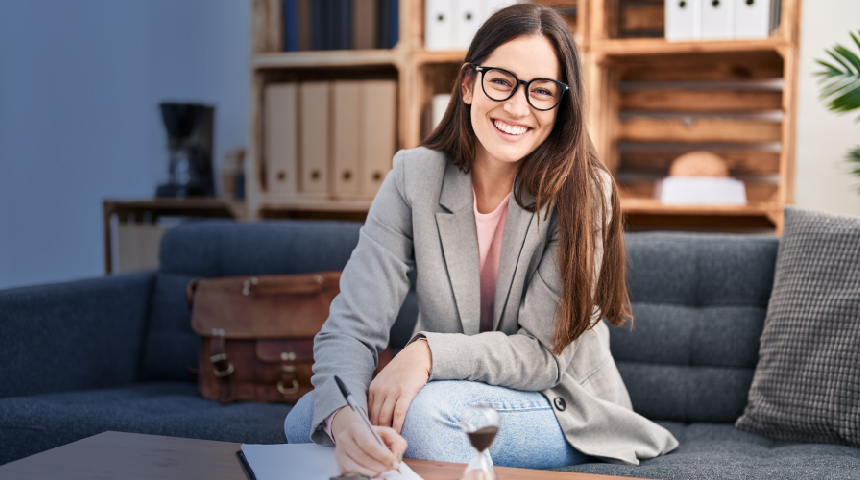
(304, 462)
(701, 190)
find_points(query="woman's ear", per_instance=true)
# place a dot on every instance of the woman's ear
(467, 90)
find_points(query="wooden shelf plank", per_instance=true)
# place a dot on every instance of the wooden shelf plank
(324, 59)
(275, 202)
(648, 206)
(424, 57)
(656, 46)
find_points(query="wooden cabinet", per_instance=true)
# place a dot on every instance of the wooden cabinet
(650, 100)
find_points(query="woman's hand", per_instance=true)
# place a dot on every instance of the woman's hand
(356, 450)
(397, 384)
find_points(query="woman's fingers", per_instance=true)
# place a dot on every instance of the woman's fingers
(386, 413)
(374, 401)
(358, 450)
(400, 409)
(395, 442)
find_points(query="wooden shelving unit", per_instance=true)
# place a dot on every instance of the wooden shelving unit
(650, 100)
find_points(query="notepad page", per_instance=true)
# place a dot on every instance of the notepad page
(305, 462)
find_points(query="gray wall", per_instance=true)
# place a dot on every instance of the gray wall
(79, 86)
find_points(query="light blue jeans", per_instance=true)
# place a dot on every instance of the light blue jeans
(529, 435)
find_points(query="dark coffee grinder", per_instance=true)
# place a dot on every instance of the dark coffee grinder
(190, 132)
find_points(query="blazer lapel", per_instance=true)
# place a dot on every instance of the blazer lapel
(517, 226)
(460, 246)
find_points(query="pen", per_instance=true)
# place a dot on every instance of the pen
(358, 411)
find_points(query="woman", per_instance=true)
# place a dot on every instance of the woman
(512, 226)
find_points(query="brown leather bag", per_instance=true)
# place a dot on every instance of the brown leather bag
(257, 334)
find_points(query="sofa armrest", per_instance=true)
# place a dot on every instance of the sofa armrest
(73, 335)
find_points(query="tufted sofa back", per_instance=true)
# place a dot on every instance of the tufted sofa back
(699, 302)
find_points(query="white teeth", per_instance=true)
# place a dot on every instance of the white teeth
(510, 129)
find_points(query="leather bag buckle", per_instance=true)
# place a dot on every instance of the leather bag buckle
(223, 371)
(288, 391)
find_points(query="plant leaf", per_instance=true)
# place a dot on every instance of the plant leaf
(849, 56)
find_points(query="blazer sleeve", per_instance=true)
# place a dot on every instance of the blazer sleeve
(524, 360)
(373, 286)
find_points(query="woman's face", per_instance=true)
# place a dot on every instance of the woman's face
(508, 131)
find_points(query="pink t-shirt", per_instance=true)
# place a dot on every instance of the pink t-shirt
(491, 229)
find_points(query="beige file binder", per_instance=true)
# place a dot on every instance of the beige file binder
(346, 139)
(280, 138)
(379, 113)
(314, 103)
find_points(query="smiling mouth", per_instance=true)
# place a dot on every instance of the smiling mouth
(510, 129)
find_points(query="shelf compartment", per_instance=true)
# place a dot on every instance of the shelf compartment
(742, 160)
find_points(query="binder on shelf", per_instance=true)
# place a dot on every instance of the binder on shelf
(314, 102)
(683, 20)
(289, 15)
(718, 19)
(489, 7)
(389, 23)
(319, 25)
(303, 21)
(468, 17)
(280, 145)
(752, 18)
(364, 26)
(438, 25)
(379, 125)
(346, 138)
(340, 24)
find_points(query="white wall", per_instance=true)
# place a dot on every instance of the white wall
(823, 137)
(79, 86)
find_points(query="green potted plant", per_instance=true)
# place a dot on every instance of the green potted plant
(840, 86)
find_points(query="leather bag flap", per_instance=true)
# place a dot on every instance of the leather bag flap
(300, 350)
(274, 306)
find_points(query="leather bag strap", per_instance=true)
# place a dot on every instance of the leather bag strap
(221, 365)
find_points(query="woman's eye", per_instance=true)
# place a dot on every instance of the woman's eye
(501, 81)
(541, 91)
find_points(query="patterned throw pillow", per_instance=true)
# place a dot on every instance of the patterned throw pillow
(806, 386)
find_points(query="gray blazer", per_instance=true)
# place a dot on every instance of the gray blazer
(422, 218)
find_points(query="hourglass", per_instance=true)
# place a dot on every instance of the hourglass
(480, 423)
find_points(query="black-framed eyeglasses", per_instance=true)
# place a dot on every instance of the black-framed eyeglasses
(499, 85)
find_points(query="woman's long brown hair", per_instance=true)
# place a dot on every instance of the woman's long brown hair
(564, 170)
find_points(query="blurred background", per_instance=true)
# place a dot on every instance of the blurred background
(81, 80)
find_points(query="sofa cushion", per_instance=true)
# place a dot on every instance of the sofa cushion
(721, 452)
(29, 425)
(699, 302)
(212, 248)
(807, 384)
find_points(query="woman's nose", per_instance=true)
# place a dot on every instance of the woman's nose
(518, 105)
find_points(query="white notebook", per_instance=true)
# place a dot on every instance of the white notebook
(304, 462)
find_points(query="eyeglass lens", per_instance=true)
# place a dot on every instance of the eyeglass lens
(543, 94)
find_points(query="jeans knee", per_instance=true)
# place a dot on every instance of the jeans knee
(432, 425)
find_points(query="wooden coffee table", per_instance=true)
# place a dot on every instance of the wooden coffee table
(132, 456)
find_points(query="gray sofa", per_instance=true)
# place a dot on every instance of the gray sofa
(114, 353)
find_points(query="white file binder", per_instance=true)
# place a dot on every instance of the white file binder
(468, 17)
(752, 18)
(683, 20)
(439, 25)
(718, 19)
